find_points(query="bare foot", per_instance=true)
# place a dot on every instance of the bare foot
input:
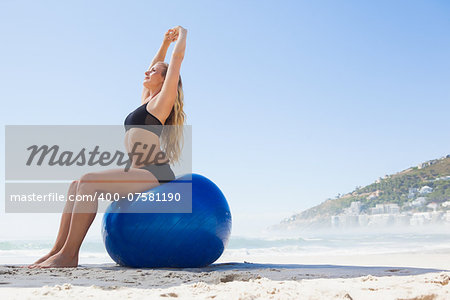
(59, 260)
(45, 257)
(40, 260)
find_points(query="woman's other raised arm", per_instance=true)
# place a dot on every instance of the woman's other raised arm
(169, 37)
(162, 106)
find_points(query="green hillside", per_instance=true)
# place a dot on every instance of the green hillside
(390, 189)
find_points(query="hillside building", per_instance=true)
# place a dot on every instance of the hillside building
(425, 190)
(412, 192)
(388, 208)
(421, 201)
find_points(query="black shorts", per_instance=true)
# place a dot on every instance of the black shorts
(162, 172)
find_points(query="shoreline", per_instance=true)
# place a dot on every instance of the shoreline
(433, 259)
(371, 276)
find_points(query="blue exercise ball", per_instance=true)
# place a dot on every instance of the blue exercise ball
(174, 240)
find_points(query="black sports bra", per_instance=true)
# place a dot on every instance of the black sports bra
(140, 117)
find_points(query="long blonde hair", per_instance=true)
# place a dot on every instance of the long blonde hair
(172, 136)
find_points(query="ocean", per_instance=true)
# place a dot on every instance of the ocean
(240, 247)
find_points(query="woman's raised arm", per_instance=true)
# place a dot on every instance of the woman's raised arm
(169, 37)
(162, 106)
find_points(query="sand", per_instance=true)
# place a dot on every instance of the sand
(388, 276)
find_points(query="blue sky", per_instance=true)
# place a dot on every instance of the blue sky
(290, 102)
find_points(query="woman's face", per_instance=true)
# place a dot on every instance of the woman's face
(153, 77)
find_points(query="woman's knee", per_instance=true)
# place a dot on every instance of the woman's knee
(73, 187)
(86, 184)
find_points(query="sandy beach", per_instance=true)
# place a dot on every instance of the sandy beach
(382, 276)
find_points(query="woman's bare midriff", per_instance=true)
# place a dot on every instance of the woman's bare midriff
(144, 146)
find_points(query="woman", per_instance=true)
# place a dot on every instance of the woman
(162, 104)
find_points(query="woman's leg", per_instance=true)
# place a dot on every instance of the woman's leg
(64, 224)
(84, 212)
